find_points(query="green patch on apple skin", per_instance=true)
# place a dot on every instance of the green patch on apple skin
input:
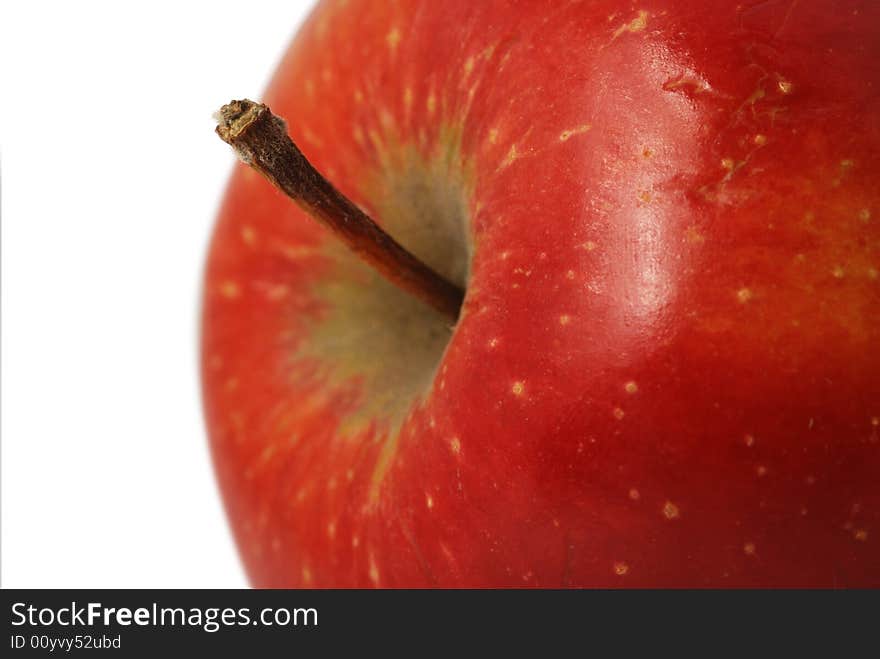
(371, 332)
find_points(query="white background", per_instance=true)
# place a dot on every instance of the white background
(111, 177)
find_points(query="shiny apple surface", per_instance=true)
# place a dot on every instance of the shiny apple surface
(667, 367)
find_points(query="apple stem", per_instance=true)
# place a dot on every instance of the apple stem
(260, 139)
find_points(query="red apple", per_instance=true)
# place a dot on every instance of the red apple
(666, 371)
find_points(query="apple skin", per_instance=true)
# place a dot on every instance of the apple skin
(667, 368)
